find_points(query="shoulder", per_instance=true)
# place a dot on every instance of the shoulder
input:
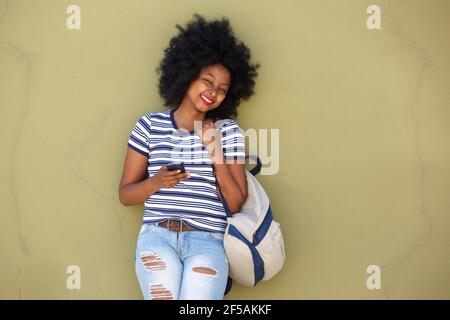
(144, 122)
(157, 114)
(228, 125)
(152, 116)
(162, 113)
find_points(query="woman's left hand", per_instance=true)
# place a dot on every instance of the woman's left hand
(210, 137)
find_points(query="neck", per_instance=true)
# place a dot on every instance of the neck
(186, 114)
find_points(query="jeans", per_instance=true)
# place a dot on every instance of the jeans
(180, 265)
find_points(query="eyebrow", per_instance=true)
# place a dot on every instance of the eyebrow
(215, 77)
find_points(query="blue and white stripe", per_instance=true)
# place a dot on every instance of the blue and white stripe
(196, 199)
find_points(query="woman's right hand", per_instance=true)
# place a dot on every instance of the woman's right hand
(168, 179)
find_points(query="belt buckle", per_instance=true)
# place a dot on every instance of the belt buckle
(181, 225)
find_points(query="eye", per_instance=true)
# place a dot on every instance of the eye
(224, 91)
(206, 80)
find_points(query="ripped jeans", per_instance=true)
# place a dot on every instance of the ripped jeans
(180, 265)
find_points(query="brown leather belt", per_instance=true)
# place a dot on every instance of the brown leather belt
(176, 225)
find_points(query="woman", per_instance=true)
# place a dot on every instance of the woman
(204, 75)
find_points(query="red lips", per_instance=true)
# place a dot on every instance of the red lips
(206, 101)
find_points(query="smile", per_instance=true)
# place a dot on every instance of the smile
(206, 100)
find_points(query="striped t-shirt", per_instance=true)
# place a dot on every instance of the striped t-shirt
(194, 200)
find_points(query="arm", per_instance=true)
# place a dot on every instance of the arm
(134, 188)
(232, 182)
(230, 175)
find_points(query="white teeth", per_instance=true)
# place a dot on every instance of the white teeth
(207, 100)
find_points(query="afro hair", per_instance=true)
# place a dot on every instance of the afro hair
(199, 45)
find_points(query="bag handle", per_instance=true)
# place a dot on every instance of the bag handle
(258, 166)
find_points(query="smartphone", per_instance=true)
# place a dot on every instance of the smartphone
(176, 166)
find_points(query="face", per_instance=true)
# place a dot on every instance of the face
(209, 90)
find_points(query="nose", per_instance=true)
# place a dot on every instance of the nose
(213, 92)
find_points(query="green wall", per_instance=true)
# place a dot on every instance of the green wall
(364, 154)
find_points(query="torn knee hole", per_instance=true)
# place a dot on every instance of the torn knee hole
(159, 292)
(204, 270)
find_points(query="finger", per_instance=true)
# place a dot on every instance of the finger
(182, 178)
(172, 173)
(183, 175)
(179, 177)
(172, 181)
(208, 126)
